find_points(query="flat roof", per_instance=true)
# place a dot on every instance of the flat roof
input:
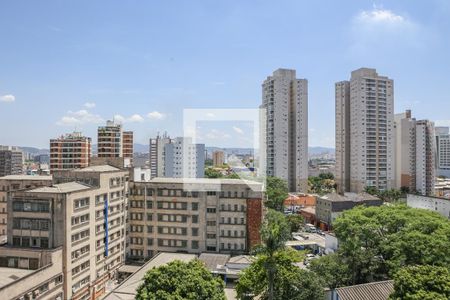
(9, 275)
(67, 187)
(27, 177)
(100, 168)
(127, 289)
(213, 181)
(355, 197)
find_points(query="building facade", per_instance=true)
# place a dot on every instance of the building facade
(183, 159)
(365, 132)
(443, 151)
(84, 213)
(331, 206)
(193, 216)
(72, 151)
(436, 204)
(11, 183)
(415, 154)
(11, 162)
(218, 158)
(285, 100)
(112, 142)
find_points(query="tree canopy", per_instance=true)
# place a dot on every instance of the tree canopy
(277, 192)
(376, 242)
(422, 283)
(179, 280)
(295, 222)
(322, 184)
(273, 274)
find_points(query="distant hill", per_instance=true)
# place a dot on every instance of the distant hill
(34, 151)
(320, 150)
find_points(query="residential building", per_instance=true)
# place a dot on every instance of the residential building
(443, 151)
(71, 151)
(84, 212)
(436, 204)
(218, 158)
(157, 154)
(331, 206)
(415, 153)
(13, 183)
(183, 159)
(194, 216)
(380, 290)
(31, 273)
(112, 142)
(365, 132)
(285, 100)
(11, 161)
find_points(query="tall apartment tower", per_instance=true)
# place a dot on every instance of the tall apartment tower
(364, 131)
(114, 142)
(11, 161)
(415, 149)
(218, 158)
(71, 151)
(157, 154)
(183, 159)
(443, 151)
(285, 99)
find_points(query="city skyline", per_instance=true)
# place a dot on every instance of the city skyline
(60, 75)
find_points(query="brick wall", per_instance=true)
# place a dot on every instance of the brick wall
(254, 220)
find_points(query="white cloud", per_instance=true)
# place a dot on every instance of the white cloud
(210, 115)
(7, 98)
(443, 123)
(238, 130)
(156, 115)
(136, 118)
(89, 105)
(80, 117)
(379, 15)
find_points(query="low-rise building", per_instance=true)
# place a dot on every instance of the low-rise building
(436, 204)
(194, 216)
(330, 206)
(13, 183)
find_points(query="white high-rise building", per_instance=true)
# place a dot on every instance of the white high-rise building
(443, 151)
(183, 159)
(415, 151)
(365, 132)
(157, 154)
(285, 99)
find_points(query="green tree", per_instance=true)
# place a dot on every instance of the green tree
(376, 242)
(211, 173)
(295, 222)
(277, 192)
(422, 283)
(332, 270)
(180, 280)
(372, 190)
(291, 281)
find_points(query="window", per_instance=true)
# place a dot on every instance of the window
(211, 210)
(210, 223)
(80, 203)
(194, 231)
(194, 244)
(194, 219)
(194, 205)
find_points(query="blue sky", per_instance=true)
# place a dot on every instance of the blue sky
(74, 64)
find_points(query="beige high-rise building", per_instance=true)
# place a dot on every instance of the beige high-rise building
(415, 152)
(158, 154)
(194, 215)
(113, 142)
(285, 99)
(443, 151)
(365, 132)
(11, 161)
(84, 214)
(218, 158)
(71, 151)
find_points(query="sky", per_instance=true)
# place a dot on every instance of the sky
(72, 65)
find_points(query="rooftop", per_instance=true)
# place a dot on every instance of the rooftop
(201, 181)
(127, 289)
(213, 261)
(9, 275)
(349, 197)
(368, 291)
(26, 177)
(101, 168)
(62, 188)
